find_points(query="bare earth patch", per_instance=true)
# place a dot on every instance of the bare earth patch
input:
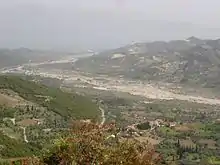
(10, 98)
(209, 142)
(8, 101)
(152, 141)
(27, 122)
(187, 143)
(182, 128)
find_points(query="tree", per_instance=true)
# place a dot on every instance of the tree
(90, 143)
(27, 108)
(197, 149)
(180, 152)
(32, 108)
(178, 143)
(144, 126)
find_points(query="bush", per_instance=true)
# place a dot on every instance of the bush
(144, 126)
(90, 143)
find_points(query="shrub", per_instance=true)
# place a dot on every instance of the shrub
(90, 143)
(144, 126)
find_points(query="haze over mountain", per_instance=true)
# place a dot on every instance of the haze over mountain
(103, 24)
(193, 60)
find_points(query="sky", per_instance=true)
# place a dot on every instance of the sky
(100, 24)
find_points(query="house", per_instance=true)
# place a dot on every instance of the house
(172, 124)
(156, 123)
(38, 121)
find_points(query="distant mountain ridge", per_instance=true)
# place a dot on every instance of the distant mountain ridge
(12, 57)
(192, 60)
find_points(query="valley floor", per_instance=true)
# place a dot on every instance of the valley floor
(103, 82)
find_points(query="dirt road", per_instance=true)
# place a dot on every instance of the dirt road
(103, 116)
(134, 88)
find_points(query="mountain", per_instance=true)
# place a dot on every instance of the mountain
(190, 61)
(12, 57)
(32, 115)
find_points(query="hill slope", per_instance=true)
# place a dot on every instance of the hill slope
(33, 115)
(64, 104)
(191, 61)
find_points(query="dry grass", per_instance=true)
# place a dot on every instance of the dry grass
(188, 127)
(23, 161)
(27, 122)
(211, 144)
(187, 143)
(10, 98)
(152, 141)
(182, 128)
(8, 101)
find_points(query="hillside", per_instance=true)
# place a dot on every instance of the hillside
(192, 61)
(15, 148)
(32, 115)
(13, 57)
(64, 104)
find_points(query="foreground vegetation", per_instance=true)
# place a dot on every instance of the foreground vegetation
(89, 143)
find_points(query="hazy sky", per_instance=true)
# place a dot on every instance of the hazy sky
(71, 24)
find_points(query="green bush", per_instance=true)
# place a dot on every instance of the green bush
(144, 126)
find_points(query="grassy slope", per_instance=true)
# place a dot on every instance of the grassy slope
(14, 148)
(64, 104)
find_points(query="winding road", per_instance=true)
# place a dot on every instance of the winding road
(25, 136)
(103, 116)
